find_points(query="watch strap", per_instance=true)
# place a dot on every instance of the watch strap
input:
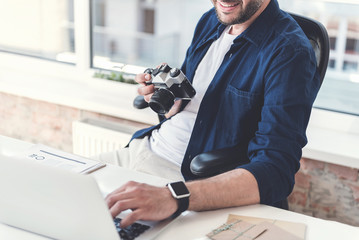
(182, 201)
(183, 204)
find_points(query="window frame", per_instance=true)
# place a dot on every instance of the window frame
(82, 73)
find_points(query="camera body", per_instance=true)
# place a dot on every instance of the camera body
(170, 84)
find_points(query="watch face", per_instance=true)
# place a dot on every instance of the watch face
(180, 188)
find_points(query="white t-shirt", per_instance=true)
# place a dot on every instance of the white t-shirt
(171, 139)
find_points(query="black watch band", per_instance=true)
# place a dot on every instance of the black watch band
(180, 192)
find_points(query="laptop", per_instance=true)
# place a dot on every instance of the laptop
(59, 204)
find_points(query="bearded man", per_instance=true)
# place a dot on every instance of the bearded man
(255, 75)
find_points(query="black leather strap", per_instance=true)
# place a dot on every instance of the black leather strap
(179, 192)
(183, 204)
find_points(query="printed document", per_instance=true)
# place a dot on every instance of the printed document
(57, 158)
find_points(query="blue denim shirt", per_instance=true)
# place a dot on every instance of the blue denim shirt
(259, 100)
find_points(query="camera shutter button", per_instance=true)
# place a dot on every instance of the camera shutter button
(174, 72)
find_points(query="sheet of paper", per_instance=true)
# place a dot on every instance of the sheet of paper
(230, 230)
(245, 228)
(274, 232)
(57, 158)
(297, 229)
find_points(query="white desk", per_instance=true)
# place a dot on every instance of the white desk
(191, 225)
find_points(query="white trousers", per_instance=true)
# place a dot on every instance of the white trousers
(138, 156)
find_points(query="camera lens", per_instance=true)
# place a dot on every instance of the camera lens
(161, 101)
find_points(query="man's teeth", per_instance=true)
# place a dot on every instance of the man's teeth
(228, 5)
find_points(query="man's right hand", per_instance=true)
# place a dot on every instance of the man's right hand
(145, 90)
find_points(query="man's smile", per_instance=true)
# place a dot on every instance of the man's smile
(228, 6)
(223, 4)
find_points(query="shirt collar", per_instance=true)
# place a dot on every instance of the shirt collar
(258, 29)
(256, 32)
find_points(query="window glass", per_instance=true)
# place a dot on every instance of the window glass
(148, 32)
(340, 89)
(38, 28)
(143, 32)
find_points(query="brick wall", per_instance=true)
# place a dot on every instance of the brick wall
(326, 191)
(41, 122)
(322, 190)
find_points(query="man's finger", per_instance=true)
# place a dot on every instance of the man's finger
(131, 218)
(142, 78)
(122, 205)
(146, 90)
(120, 196)
(121, 193)
(147, 97)
(175, 108)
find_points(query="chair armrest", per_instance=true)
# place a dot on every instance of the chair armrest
(218, 161)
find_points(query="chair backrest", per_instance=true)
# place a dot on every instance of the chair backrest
(318, 37)
(221, 160)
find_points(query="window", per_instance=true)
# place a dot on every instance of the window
(38, 28)
(115, 34)
(143, 32)
(148, 32)
(341, 85)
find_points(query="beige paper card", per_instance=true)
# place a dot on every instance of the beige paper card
(297, 229)
(246, 228)
(230, 230)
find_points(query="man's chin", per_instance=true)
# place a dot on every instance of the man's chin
(225, 19)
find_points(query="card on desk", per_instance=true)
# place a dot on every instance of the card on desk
(60, 159)
(243, 227)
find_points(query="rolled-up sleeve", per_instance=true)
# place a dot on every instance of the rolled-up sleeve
(291, 85)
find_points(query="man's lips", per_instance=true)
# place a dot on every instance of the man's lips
(228, 4)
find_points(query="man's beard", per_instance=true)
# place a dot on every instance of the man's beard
(244, 14)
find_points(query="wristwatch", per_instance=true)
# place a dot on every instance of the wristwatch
(180, 192)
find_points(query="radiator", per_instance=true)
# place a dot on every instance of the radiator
(91, 137)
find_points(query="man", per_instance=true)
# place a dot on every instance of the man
(255, 76)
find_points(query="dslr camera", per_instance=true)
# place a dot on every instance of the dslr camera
(170, 84)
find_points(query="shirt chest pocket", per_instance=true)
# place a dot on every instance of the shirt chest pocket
(243, 98)
(239, 114)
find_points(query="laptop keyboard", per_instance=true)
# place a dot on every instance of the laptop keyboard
(130, 232)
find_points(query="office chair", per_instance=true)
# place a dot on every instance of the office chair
(221, 160)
